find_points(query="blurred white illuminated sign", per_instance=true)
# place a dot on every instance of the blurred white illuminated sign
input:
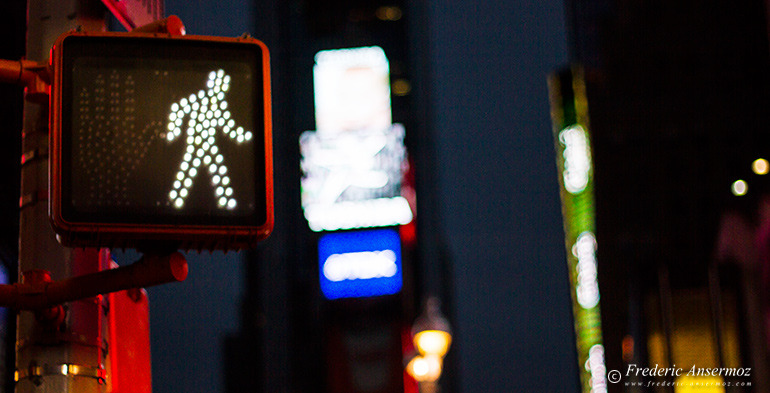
(577, 158)
(353, 164)
(587, 289)
(361, 265)
(352, 90)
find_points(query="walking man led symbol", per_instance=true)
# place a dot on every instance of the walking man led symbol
(206, 111)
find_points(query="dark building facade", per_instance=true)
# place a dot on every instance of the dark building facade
(677, 94)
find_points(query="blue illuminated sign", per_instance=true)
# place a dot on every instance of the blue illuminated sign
(360, 264)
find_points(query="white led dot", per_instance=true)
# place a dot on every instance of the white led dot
(227, 79)
(214, 149)
(198, 140)
(193, 172)
(222, 170)
(215, 179)
(211, 141)
(221, 73)
(174, 107)
(240, 139)
(221, 96)
(177, 184)
(226, 130)
(218, 81)
(225, 180)
(212, 75)
(239, 130)
(185, 165)
(190, 139)
(210, 84)
(187, 183)
(172, 194)
(178, 203)
(172, 116)
(223, 105)
(195, 106)
(192, 98)
(207, 160)
(170, 136)
(183, 192)
(222, 201)
(204, 101)
(226, 115)
(171, 126)
(205, 146)
(190, 148)
(178, 122)
(220, 191)
(228, 191)
(247, 135)
(213, 168)
(187, 157)
(231, 204)
(187, 109)
(180, 175)
(206, 124)
(201, 94)
(225, 87)
(197, 162)
(183, 102)
(219, 158)
(217, 89)
(190, 131)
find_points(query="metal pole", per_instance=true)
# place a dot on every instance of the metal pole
(69, 357)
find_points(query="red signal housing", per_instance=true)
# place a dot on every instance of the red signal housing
(160, 140)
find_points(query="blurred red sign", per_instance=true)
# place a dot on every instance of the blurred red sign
(134, 13)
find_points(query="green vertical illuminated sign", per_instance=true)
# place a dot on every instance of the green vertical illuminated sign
(569, 113)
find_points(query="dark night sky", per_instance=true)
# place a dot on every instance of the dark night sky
(498, 191)
(497, 202)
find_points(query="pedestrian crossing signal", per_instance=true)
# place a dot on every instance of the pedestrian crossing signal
(160, 139)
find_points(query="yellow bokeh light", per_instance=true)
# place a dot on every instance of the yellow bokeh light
(760, 166)
(390, 14)
(424, 368)
(433, 342)
(401, 87)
